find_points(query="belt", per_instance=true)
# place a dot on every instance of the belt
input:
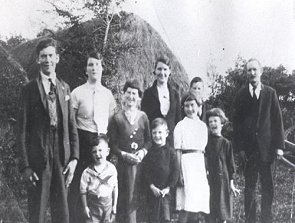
(191, 151)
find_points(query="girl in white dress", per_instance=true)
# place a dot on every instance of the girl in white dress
(190, 139)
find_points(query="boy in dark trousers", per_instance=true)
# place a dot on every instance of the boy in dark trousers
(161, 171)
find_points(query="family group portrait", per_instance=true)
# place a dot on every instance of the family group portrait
(121, 111)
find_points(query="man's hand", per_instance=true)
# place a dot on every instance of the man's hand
(280, 153)
(69, 171)
(156, 191)
(87, 212)
(165, 191)
(30, 176)
(233, 189)
(243, 156)
(113, 216)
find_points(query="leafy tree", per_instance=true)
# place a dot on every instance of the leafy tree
(100, 33)
(15, 40)
(278, 78)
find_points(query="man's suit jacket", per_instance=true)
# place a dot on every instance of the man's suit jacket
(205, 107)
(151, 106)
(34, 126)
(269, 126)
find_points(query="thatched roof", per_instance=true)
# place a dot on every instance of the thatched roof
(135, 62)
(12, 77)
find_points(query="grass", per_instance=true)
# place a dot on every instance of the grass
(13, 203)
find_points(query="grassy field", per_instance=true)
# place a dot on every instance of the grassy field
(13, 205)
(13, 208)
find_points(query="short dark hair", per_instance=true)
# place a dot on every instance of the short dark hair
(100, 138)
(44, 43)
(133, 84)
(164, 59)
(158, 122)
(196, 80)
(216, 112)
(93, 54)
(188, 97)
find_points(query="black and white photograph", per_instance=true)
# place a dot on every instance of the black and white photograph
(147, 111)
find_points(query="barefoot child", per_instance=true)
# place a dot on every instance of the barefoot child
(99, 185)
(162, 171)
(221, 168)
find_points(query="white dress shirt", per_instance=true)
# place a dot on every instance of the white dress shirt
(46, 82)
(257, 90)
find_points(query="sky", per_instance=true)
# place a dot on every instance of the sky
(199, 32)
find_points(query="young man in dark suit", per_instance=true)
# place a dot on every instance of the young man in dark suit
(258, 135)
(47, 138)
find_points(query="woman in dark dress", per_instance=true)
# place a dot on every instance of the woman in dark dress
(129, 133)
(161, 100)
(221, 168)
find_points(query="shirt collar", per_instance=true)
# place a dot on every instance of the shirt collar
(257, 89)
(94, 87)
(52, 76)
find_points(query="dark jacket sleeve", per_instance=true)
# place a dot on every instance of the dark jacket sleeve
(73, 133)
(146, 103)
(236, 111)
(230, 161)
(113, 135)
(22, 125)
(147, 133)
(178, 108)
(174, 169)
(277, 128)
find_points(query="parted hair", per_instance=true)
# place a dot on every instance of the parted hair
(133, 84)
(46, 43)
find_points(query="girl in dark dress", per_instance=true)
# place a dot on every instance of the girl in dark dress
(221, 168)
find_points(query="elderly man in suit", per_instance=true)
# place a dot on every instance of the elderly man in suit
(258, 136)
(47, 138)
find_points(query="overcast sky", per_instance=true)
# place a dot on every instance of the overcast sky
(199, 32)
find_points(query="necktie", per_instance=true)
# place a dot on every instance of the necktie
(52, 104)
(254, 94)
(52, 86)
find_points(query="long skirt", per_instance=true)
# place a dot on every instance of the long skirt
(194, 196)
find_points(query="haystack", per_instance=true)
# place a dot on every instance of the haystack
(12, 77)
(136, 62)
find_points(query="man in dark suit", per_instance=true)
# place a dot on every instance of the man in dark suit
(258, 135)
(47, 138)
(197, 88)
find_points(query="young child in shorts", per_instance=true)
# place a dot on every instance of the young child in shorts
(99, 185)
